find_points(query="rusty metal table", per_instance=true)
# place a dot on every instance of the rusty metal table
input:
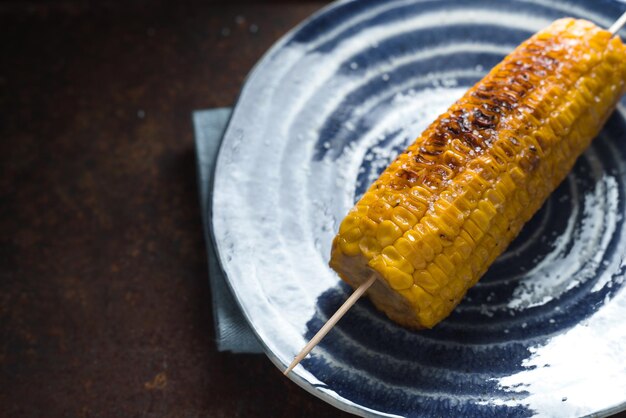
(104, 298)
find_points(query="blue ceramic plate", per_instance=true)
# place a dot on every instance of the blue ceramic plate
(324, 111)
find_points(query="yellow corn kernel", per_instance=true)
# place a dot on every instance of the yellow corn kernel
(379, 211)
(349, 222)
(353, 234)
(370, 247)
(403, 218)
(425, 251)
(393, 258)
(410, 253)
(388, 232)
(437, 274)
(473, 230)
(421, 297)
(426, 281)
(368, 227)
(444, 264)
(408, 294)
(398, 279)
(349, 248)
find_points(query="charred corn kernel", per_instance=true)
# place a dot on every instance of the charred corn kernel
(388, 232)
(436, 218)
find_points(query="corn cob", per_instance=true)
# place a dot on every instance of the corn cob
(442, 212)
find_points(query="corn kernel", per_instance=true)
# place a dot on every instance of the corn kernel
(349, 222)
(518, 176)
(443, 262)
(393, 258)
(438, 274)
(410, 252)
(421, 297)
(370, 246)
(353, 235)
(349, 248)
(368, 227)
(421, 245)
(481, 219)
(523, 198)
(388, 232)
(447, 295)
(449, 208)
(473, 230)
(408, 295)
(421, 194)
(398, 279)
(467, 238)
(416, 208)
(426, 281)
(379, 210)
(403, 218)
(486, 207)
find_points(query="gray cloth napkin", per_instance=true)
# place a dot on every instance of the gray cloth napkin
(232, 331)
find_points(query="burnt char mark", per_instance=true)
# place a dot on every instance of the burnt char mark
(485, 120)
(464, 122)
(419, 159)
(471, 126)
(431, 149)
(410, 176)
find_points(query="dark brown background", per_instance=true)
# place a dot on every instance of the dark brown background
(104, 299)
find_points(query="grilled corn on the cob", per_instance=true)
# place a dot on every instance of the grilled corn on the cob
(441, 213)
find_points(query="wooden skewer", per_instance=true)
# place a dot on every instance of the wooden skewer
(618, 24)
(615, 27)
(331, 323)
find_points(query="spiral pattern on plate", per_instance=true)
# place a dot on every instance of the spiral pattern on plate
(320, 117)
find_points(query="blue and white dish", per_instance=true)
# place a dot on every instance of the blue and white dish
(543, 333)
